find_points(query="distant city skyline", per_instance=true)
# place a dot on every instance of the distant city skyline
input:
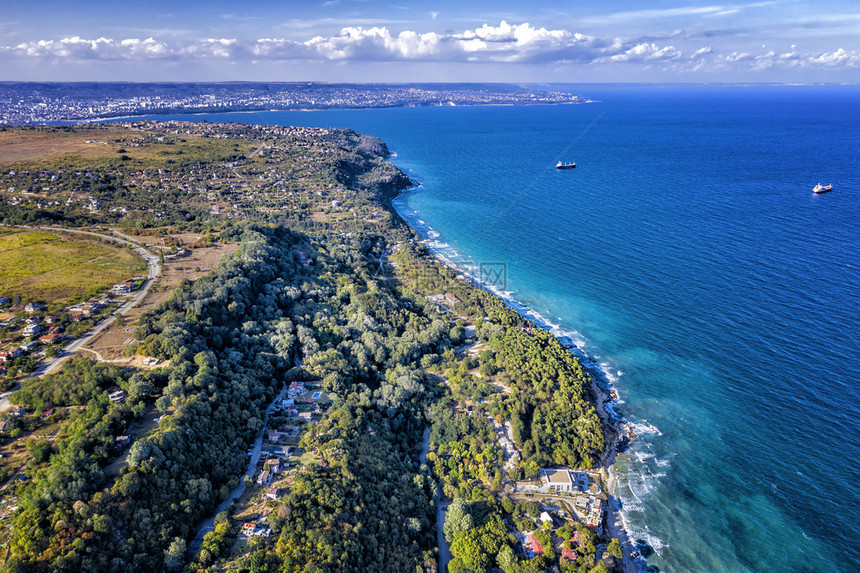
(442, 41)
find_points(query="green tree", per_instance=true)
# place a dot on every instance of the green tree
(614, 548)
(458, 518)
(506, 558)
(174, 555)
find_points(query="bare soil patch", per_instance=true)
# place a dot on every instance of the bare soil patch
(112, 341)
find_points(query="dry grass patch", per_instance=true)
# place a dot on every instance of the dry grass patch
(45, 266)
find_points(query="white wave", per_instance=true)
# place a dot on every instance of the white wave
(644, 428)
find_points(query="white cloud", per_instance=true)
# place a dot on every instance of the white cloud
(502, 43)
(647, 52)
(840, 57)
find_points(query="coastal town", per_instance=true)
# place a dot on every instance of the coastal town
(29, 103)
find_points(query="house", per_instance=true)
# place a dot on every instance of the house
(595, 514)
(546, 518)
(577, 538)
(31, 329)
(47, 413)
(451, 298)
(271, 493)
(306, 416)
(17, 411)
(248, 529)
(296, 389)
(274, 465)
(534, 545)
(33, 307)
(569, 554)
(288, 403)
(13, 353)
(122, 441)
(52, 338)
(116, 395)
(265, 478)
(560, 480)
(274, 436)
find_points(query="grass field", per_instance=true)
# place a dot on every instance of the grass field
(52, 268)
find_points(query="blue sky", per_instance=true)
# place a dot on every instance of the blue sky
(372, 41)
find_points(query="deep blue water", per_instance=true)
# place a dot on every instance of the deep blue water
(687, 255)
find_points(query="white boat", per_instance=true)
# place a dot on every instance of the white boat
(822, 188)
(561, 165)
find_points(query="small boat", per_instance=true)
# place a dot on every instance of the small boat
(822, 188)
(561, 165)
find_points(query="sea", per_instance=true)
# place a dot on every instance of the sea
(687, 260)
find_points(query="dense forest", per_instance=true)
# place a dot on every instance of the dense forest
(343, 300)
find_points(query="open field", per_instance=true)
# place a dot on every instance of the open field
(39, 265)
(79, 147)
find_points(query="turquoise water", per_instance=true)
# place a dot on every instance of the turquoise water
(689, 259)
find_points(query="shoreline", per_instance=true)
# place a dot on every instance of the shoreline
(619, 431)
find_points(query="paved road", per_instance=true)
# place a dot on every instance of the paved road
(153, 270)
(209, 524)
(444, 551)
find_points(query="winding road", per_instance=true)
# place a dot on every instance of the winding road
(153, 270)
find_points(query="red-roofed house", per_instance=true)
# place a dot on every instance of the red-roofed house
(52, 338)
(569, 554)
(534, 545)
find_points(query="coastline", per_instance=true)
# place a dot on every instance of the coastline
(619, 431)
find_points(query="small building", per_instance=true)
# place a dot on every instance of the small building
(296, 389)
(53, 338)
(248, 529)
(17, 411)
(47, 413)
(545, 517)
(122, 441)
(33, 307)
(31, 329)
(3, 301)
(274, 436)
(306, 416)
(595, 514)
(451, 298)
(265, 478)
(271, 493)
(116, 395)
(274, 465)
(534, 545)
(569, 554)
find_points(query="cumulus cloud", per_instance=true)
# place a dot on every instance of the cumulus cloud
(647, 52)
(503, 43)
(101, 48)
